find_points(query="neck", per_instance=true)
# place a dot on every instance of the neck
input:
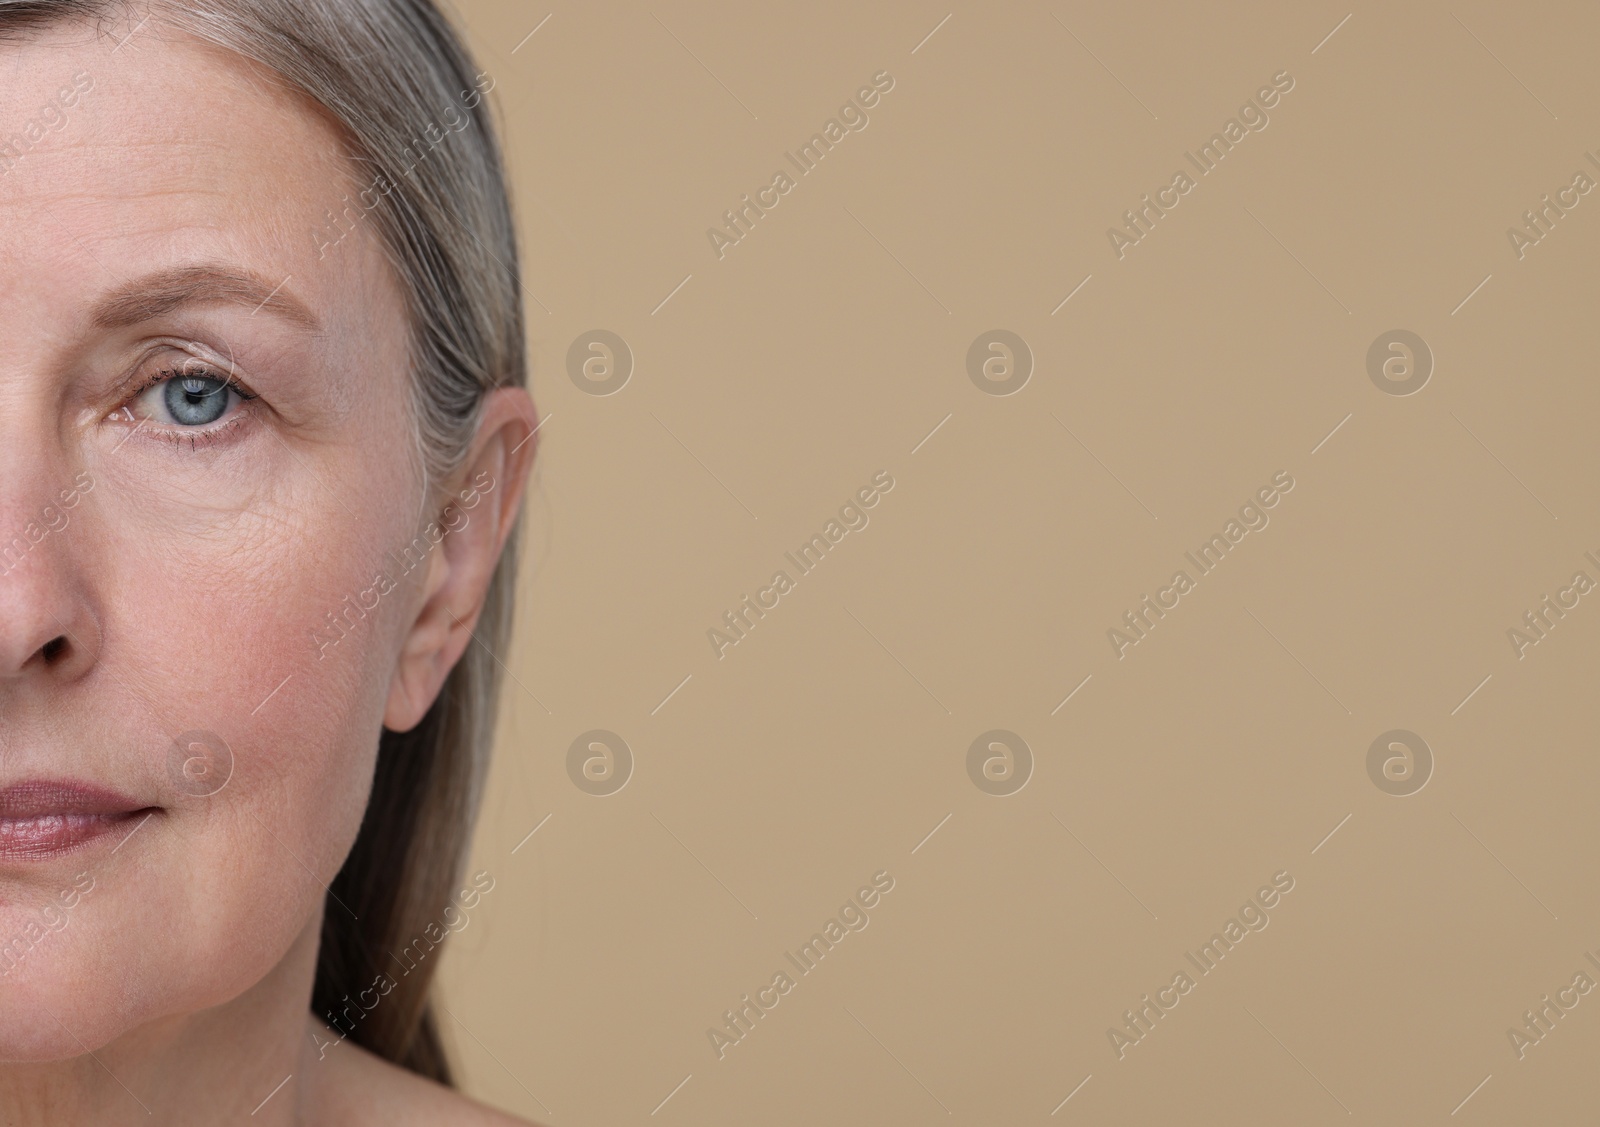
(215, 1066)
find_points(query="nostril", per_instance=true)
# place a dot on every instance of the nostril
(53, 650)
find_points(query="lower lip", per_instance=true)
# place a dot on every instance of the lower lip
(47, 836)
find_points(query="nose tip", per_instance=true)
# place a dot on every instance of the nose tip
(47, 629)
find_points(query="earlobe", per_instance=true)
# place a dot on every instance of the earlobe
(400, 714)
(477, 510)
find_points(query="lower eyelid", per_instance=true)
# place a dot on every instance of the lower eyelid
(148, 427)
(199, 436)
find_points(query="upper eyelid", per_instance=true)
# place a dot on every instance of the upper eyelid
(161, 376)
(146, 372)
(172, 352)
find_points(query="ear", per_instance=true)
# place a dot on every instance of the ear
(477, 509)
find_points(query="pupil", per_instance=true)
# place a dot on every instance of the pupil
(196, 400)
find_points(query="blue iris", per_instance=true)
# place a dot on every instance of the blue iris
(196, 400)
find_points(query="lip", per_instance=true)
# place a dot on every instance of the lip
(47, 818)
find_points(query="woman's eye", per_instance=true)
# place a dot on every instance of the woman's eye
(187, 400)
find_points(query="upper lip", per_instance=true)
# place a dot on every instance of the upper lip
(45, 797)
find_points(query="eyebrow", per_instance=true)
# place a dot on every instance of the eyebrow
(165, 291)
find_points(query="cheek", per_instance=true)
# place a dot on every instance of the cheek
(210, 623)
(274, 635)
(255, 612)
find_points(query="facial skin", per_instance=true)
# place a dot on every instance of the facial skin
(182, 589)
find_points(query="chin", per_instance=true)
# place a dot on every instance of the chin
(139, 947)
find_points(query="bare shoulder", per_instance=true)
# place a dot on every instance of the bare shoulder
(353, 1087)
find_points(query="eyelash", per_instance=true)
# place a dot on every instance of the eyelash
(195, 437)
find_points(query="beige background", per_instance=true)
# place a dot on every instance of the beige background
(1171, 386)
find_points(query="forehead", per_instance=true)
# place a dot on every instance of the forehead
(122, 154)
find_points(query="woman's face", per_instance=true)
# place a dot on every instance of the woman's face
(204, 460)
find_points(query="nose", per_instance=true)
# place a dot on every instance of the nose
(48, 629)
